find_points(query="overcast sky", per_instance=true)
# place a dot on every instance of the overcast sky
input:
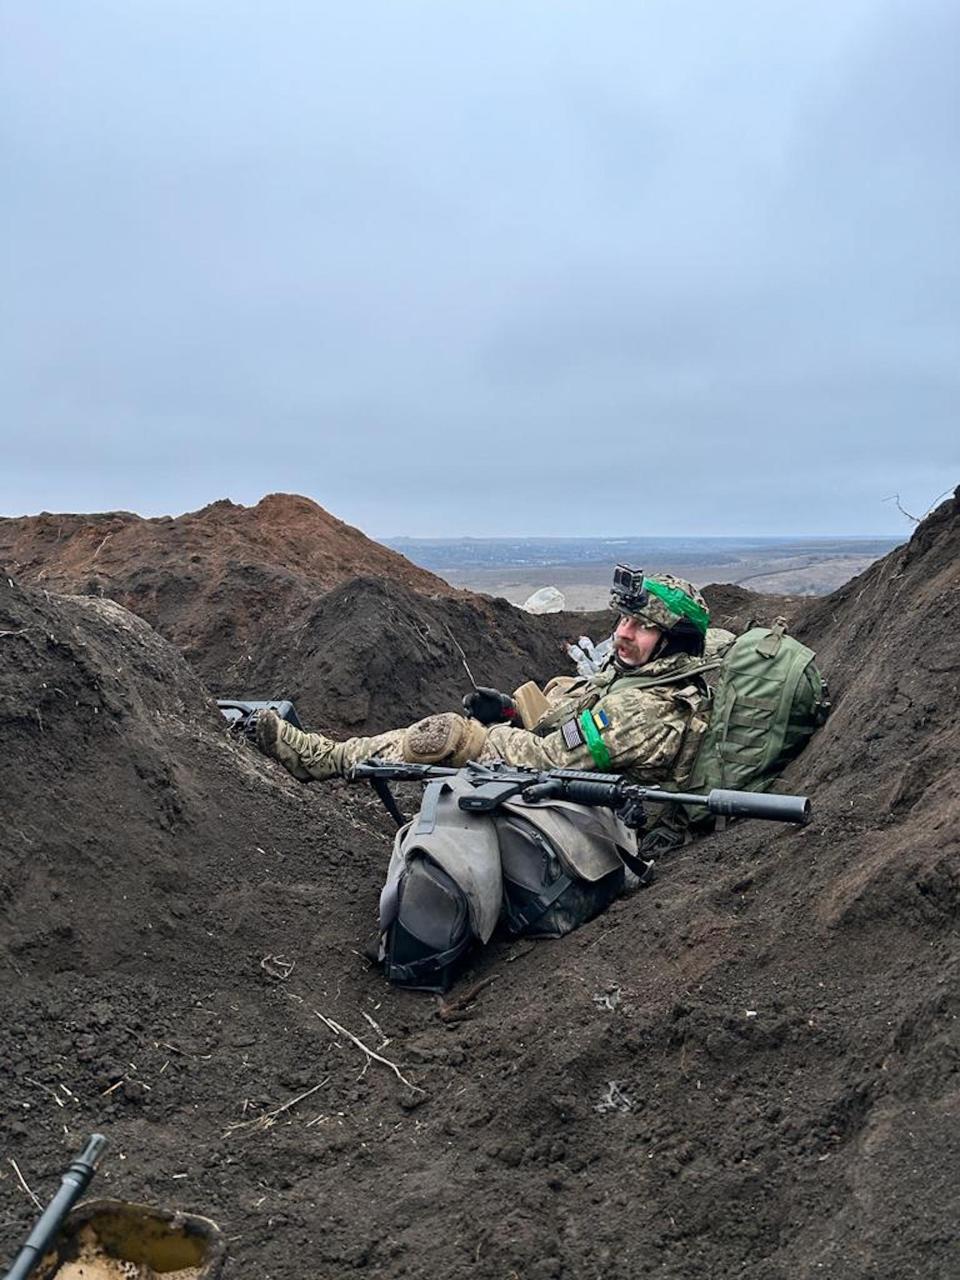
(483, 266)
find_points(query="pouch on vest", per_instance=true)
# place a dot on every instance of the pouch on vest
(562, 864)
(443, 890)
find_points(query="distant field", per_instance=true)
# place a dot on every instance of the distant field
(515, 568)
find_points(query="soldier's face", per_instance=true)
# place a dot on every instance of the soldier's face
(634, 642)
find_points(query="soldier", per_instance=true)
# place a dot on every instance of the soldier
(642, 715)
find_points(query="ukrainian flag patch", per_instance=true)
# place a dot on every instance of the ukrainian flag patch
(595, 743)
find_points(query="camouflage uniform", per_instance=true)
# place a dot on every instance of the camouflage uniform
(650, 730)
(651, 734)
(645, 722)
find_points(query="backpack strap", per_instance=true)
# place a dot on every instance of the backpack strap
(769, 646)
(677, 677)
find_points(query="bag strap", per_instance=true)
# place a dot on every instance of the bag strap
(678, 677)
(542, 903)
(427, 819)
(415, 970)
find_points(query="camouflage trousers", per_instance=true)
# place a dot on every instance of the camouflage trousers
(447, 739)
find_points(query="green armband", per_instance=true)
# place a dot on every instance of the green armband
(595, 744)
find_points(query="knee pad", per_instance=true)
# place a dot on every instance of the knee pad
(447, 737)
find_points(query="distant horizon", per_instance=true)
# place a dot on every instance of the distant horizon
(390, 538)
(639, 537)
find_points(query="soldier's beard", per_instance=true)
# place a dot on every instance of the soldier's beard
(626, 660)
(628, 656)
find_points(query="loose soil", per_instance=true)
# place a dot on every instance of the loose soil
(749, 1069)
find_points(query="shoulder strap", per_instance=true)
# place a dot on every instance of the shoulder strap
(676, 677)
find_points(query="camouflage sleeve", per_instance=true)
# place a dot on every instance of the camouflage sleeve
(561, 687)
(643, 734)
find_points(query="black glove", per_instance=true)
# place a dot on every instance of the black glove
(490, 706)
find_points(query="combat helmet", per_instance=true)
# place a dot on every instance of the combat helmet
(672, 604)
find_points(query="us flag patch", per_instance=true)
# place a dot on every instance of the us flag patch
(572, 735)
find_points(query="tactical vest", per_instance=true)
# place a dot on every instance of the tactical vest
(584, 693)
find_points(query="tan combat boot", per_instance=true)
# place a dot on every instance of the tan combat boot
(306, 755)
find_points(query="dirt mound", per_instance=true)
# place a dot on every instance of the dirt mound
(282, 599)
(887, 764)
(748, 1069)
(372, 655)
(738, 609)
(213, 581)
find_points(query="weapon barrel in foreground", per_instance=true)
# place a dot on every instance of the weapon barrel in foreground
(75, 1182)
(751, 804)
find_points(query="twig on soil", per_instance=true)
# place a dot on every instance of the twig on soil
(270, 1117)
(57, 1099)
(384, 1040)
(683, 1061)
(454, 1010)
(895, 497)
(599, 938)
(278, 967)
(336, 1028)
(20, 1178)
(22, 632)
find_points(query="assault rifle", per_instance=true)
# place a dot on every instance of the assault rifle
(496, 782)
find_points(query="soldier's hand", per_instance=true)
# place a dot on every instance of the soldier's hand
(490, 706)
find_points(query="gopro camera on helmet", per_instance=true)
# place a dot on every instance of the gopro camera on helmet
(628, 590)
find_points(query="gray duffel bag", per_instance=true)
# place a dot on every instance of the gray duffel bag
(543, 869)
(562, 864)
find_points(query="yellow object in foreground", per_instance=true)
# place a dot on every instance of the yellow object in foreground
(115, 1240)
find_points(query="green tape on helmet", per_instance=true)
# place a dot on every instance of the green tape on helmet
(679, 602)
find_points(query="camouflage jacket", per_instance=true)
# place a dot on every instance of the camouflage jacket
(650, 722)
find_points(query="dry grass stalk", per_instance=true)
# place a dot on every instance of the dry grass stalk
(23, 1182)
(336, 1028)
(270, 1117)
